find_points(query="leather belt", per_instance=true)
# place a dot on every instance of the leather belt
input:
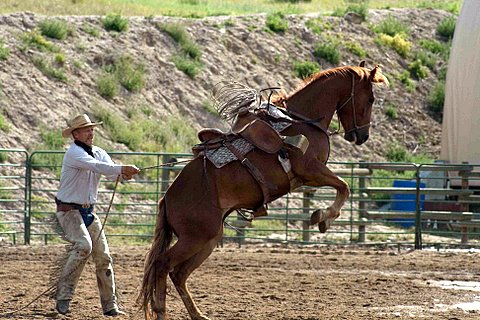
(68, 206)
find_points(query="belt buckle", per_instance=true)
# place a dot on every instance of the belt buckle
(85, 206)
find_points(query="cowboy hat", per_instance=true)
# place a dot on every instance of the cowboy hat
(81, 121)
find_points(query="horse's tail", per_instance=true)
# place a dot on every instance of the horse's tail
(161, 242)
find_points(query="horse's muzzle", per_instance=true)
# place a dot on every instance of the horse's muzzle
(357, 136)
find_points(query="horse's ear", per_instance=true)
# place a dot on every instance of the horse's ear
(373, 72)
(362, 64)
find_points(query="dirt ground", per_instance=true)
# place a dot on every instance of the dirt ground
(265, 282)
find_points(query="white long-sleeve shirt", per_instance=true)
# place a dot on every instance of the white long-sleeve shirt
(81, 174)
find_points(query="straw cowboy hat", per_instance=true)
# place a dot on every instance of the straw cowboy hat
(81, 121)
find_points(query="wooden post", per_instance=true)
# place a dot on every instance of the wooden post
(465, 206)
(418, 213)
(307, 196)
(361, 205)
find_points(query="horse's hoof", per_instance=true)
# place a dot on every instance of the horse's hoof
(318, 216)
(315, 217)
(322, 226)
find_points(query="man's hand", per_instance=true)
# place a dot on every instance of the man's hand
(129, 171)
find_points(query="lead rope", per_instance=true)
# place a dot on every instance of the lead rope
(52, 287)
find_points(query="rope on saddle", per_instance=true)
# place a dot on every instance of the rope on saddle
(50, 290)
(231, 96)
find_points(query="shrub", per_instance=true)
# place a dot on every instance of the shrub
(54, 28)
(397, 43)
(359, 8)
(418, 70)
(397, 153)
(404, 78)
(356, 49)
(175, 30)
(446, 28)
(4, 125)
(92, 30)
(426, 58)
(316, 25)
(436, 97)
(435, 46)
(130, 74)
(392, 27)
(47, 69)
(52, 139)
(107, 85)
(328, 51)
(36, 40)
(391, 111)
(276, 22)
(115, 22)
(189, 67)
(304, 69)
(4, 51)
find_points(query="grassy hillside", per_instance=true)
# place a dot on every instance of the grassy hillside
(202, 8)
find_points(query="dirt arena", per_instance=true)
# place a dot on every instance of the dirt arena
(265, 282)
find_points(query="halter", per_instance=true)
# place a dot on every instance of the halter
(351, 98)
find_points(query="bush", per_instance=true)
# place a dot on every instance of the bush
(392, 27)
(418, 70)
(426, 58)
(276, 22)
(47, 69)
(404, 78)
(359, 8)
(304, 69)
(36, 40)
(436, 97)
(130, 74)
(4, 125)
(391, 111)
(107, 85)
(189, 67)
(397, 153)
(356, 49)
(436, 47)
(175, 30)
(446, 28)
(397, 43)
(4, 51)
(115, 22)
(54, 28)
(327, 51)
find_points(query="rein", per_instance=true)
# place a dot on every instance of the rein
(165, 164)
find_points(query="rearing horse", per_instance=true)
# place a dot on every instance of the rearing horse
(202, 196)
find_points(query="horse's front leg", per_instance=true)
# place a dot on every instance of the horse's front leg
(317, 174)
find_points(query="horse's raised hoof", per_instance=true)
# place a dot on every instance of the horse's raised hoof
(318, 216)
(322, 226)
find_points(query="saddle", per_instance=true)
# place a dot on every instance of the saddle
(256, 131)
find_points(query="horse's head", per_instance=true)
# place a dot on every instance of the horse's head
(355, 111)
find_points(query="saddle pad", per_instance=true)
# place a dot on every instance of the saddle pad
(222, 156)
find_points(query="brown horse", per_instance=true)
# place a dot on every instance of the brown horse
(202, 196)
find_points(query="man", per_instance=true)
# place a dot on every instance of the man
(83, 165)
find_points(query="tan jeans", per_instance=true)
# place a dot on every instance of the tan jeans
(81, 238)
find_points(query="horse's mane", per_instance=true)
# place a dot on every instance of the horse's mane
(361, 72)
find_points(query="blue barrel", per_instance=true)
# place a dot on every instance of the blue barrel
(406, 202)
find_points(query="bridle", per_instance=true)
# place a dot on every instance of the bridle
(352, 99)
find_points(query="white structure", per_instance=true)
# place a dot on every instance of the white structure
(461, 113)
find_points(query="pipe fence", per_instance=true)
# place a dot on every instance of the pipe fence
(402, 204)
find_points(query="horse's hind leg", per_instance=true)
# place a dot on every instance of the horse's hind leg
(181, 272)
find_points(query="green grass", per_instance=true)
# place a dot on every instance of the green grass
(446, 28)
(436, 98)
(392, 26)
(48, 69)
(194, 8)
(4, 124)
(115, 22)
